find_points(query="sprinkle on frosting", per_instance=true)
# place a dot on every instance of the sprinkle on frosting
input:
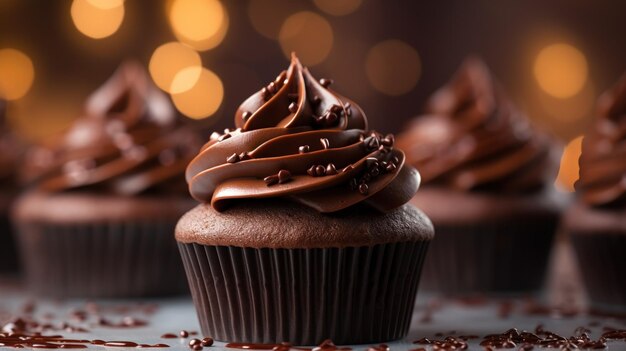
(299, 134)
(602, 162)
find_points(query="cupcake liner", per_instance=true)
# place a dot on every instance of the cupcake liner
(603, 268)
(497, 258)
(8, 249)
(351, 295)
(109, 260)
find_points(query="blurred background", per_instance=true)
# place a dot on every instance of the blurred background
(553, 58)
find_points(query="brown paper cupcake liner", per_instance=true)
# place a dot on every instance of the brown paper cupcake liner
(8, 249)
(496, 258)
(603, 268)
(351, 295)
(108, 260)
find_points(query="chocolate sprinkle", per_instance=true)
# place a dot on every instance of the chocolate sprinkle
(303, 149)
(293, 107)
(224, 137)
(364, 188)
(206, 342)
(246, 115)
(271, 180)
(330, 169)
(284, 176)
(325, 143)
(232, 158)
(325, 82)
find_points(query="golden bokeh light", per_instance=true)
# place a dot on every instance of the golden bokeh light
(202, 24)
(266, 16)
(106, 4)
(393, 67)
(307, 34)
(97, 18)
(16, 74)
(338, 7)
(561, 70)
(568, 170)
(185, 79)
(203, 99)
(168, 60)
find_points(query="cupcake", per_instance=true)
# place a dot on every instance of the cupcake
(304, 232)
(105, 196)
(596, 223)
(486, 177)
(9, 159)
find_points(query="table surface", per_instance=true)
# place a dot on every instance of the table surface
(433, 318)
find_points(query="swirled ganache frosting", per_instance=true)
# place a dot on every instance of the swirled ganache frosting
(128, 141)
(602, 162)
(297, 138)
(473, 139)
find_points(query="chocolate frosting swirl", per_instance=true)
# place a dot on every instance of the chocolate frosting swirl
(602, 163)
(128, 142)
(297, 138)
(473, 139)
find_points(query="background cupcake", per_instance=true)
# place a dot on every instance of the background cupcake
(304, 234)
(485, 172)
(106, 195)
(597, 222)
(10, 151)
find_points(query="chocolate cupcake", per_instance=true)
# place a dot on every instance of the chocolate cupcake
(596, 223)
(485, 174)
(9, 159)
(304, 233)
(105, 197)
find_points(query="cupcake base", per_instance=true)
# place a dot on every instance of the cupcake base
(488, 244)
(304, 296)
(598, 237)
(76, 245)
(271, 271)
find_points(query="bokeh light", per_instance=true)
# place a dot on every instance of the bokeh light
(16, 74)
(185, 79)
(106, 4)
(561, 70)
(393, 67)
(201, 24)
(97, 18)
(203, 99)
(338, 7)
(168, 60)
(569, 170)
(267, 16)
(307, 34)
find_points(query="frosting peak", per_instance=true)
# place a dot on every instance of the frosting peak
(602, 179)
(128, 141)
(297, 138)
(474, 139)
